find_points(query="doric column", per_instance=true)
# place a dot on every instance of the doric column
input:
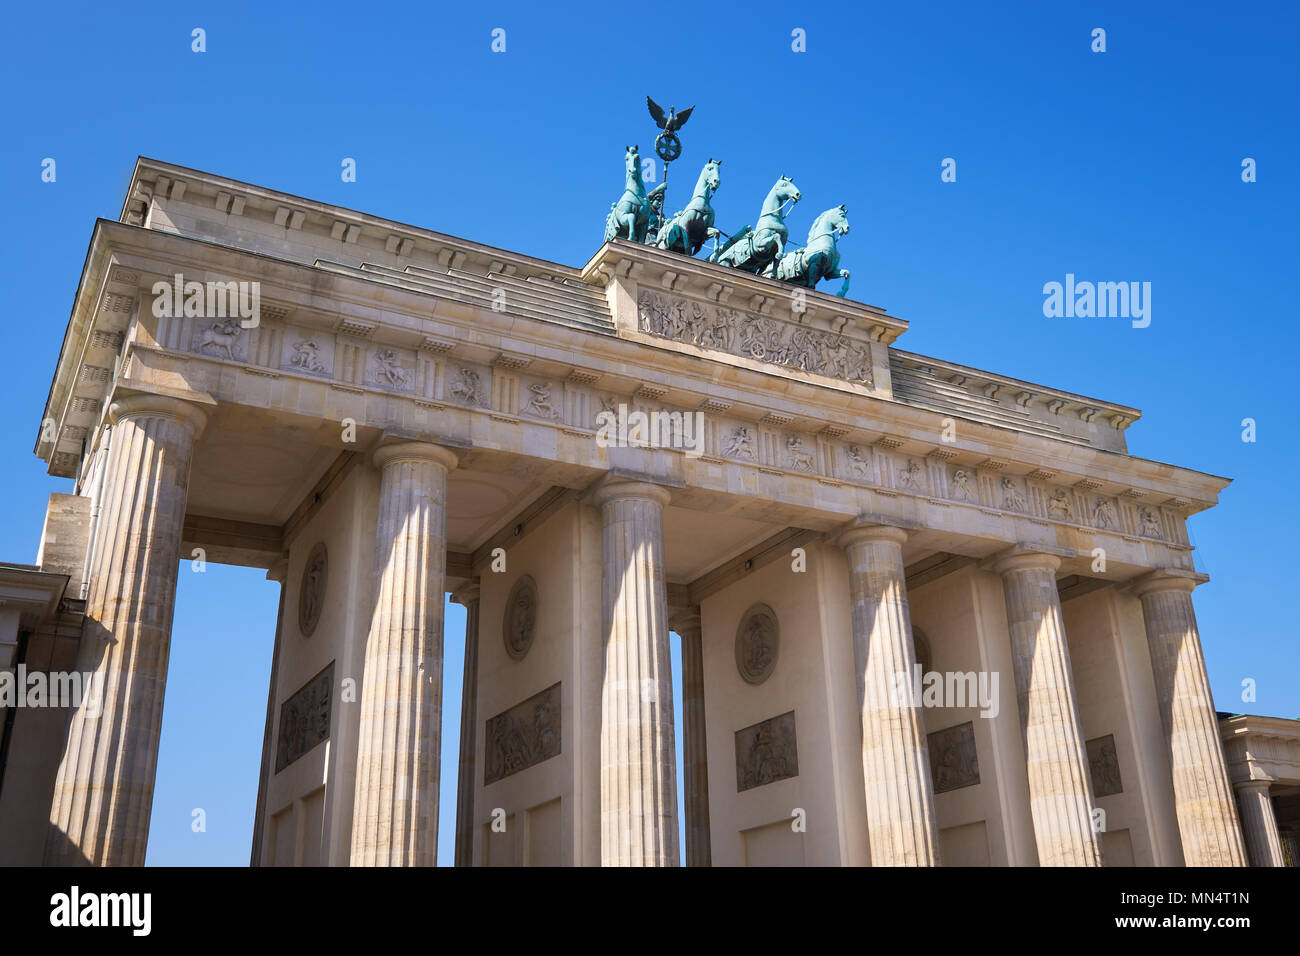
(277, 572)
(638, 787)
(395, 811)
(901, 822)
(1207, 818)
(104, 791)
(1060, 789)
(468, 596)
(1258, 823)
(695, 759)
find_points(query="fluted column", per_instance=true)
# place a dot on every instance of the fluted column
(1259, 824)
(901, 821)
(104, 791)
(638, 787)
(1060, 788)
(1207, 816)
(395, 811)
(277, 572)
(468, 596)
(695, 759)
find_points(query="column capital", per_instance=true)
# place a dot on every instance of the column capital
(1021, 558)
(1254, 784)
(409, 450)
(150, 405)
(615, 489)
(1167, 579)
(685, 620)
(278, 571)
(467, 593)
(861, 530)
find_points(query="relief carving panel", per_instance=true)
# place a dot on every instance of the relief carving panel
(758, 640)
(305, 718)
(523, 736)
(766, 752)
(1103, 764)
(311, 592)
(521, 617)
(757, 337)
(954, 764)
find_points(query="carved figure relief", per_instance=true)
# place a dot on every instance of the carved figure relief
(858, 464)
(389, 369)
(305, 718)
(540, 403)
(520, 618)
(311, 592)
(222, 335)
(1150, 523)
(954, 763)
(962, 489)
(1012, 498)
(766, 752)
(740, 443)
(800, 460)
(1059, 506)
(909, 476)
(758, 337)
(1103, 513)
(1103, 764)
(523, 736)
(468, 388)
(757, 643)
(306, 356)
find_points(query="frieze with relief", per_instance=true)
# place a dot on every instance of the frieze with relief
(305, 718)
(1103, 766)
(954, 762)
(391, 369)
(468, 386)
(523, 736)
(766, 752)
(757, 337)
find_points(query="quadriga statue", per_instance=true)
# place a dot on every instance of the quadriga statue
(820, 258)
(753, 250)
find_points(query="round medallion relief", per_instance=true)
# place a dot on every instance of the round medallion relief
(758, 640)
(521, 617)
(311, 594)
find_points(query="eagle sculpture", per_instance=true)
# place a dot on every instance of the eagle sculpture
(671, 122)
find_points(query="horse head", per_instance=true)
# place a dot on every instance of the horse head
(831, 221)
(710, 178)
(786, 189)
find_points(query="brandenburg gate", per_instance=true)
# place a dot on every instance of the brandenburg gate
(590, 459)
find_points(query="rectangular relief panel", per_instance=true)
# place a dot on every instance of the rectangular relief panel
(954, 764)
(1103, 766)
(305, 718)
(766, 752)
(523, 736)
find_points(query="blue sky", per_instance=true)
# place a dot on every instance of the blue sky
(1117, 166)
